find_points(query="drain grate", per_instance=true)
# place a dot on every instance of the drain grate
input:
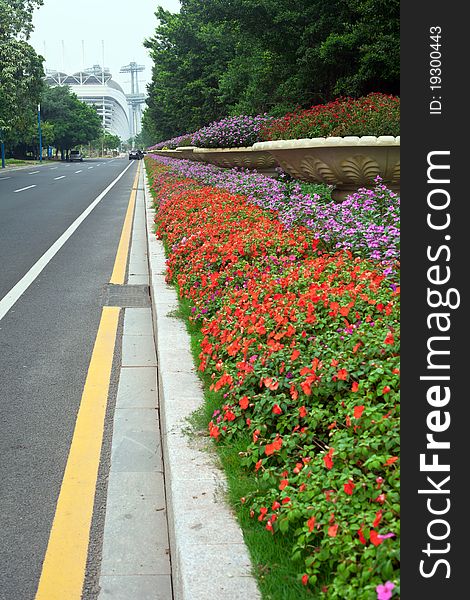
(126, 296)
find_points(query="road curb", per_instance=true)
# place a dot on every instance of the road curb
(208, 554)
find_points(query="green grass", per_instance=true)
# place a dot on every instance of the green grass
(19, 162)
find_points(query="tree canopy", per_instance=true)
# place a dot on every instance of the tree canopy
(74, 121)
(224, 57)
(21, 68)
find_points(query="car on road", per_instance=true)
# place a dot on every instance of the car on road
(75, 155)
(138, 154)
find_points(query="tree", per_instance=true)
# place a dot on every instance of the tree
(189, 53)
(225, 57)
(111, 142)
(143, 139)
(74, 121)
(21, 68)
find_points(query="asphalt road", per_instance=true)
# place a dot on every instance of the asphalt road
(46, 341)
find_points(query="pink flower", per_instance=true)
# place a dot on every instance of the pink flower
(384, 592)
(385, 536)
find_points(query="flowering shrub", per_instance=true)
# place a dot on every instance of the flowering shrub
(302, 346)
(231, 132)
(374, 114)
(181, 140)
(366, 223)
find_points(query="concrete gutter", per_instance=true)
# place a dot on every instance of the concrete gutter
(209, 559)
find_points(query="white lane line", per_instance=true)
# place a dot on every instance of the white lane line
(78, 171)
(52, 168)
(33, 172)
(90, 167)
(18, 290)
(28, 187)
(61, 177)
(5, 178)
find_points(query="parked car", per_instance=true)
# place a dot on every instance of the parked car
(75, 155)
(138, 154)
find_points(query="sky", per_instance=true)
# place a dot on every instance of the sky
(60, 26)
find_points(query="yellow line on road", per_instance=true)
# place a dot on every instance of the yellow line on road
(63, 569)
(119, 271)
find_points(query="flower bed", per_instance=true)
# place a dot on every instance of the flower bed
(231, 132)
(367, 223)
(302, 347)
(181, 140)
(372, 115)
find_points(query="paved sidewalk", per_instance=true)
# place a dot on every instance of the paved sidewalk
(135, 558)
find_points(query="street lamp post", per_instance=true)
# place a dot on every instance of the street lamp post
(2, 145)
(40, 133)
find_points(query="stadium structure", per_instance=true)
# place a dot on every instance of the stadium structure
(95, 86)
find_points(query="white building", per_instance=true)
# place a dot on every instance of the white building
(96, 87)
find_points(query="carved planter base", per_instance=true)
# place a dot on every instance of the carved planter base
(348, 163)
(243, 158)
(187, 153)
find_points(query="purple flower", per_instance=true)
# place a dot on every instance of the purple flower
(384, 592)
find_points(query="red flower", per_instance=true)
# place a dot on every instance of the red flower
(358, 410)
(390, 461)
(374, 538)
(277, 410)
(378, 518)
(389, 338)
(386, 389)
(271, 448)
(214, 431)
(305, 579)
(271, 384)
(258, 464)
(295, 354)
(328, 460)
(349, 487)
(311, 523)
(302, 411)
(355, 386)
(283, 484)
(342, 374)
(333, 530)
(229, 416)
(244, 402)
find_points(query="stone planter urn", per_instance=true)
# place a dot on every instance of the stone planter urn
(348, 163)
(187, 153)
(244, 158)
(169, 153)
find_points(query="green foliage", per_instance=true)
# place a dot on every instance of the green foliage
(111, 142)
(220, 58)
(16, 18)
(21, 68)
(74, 121)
